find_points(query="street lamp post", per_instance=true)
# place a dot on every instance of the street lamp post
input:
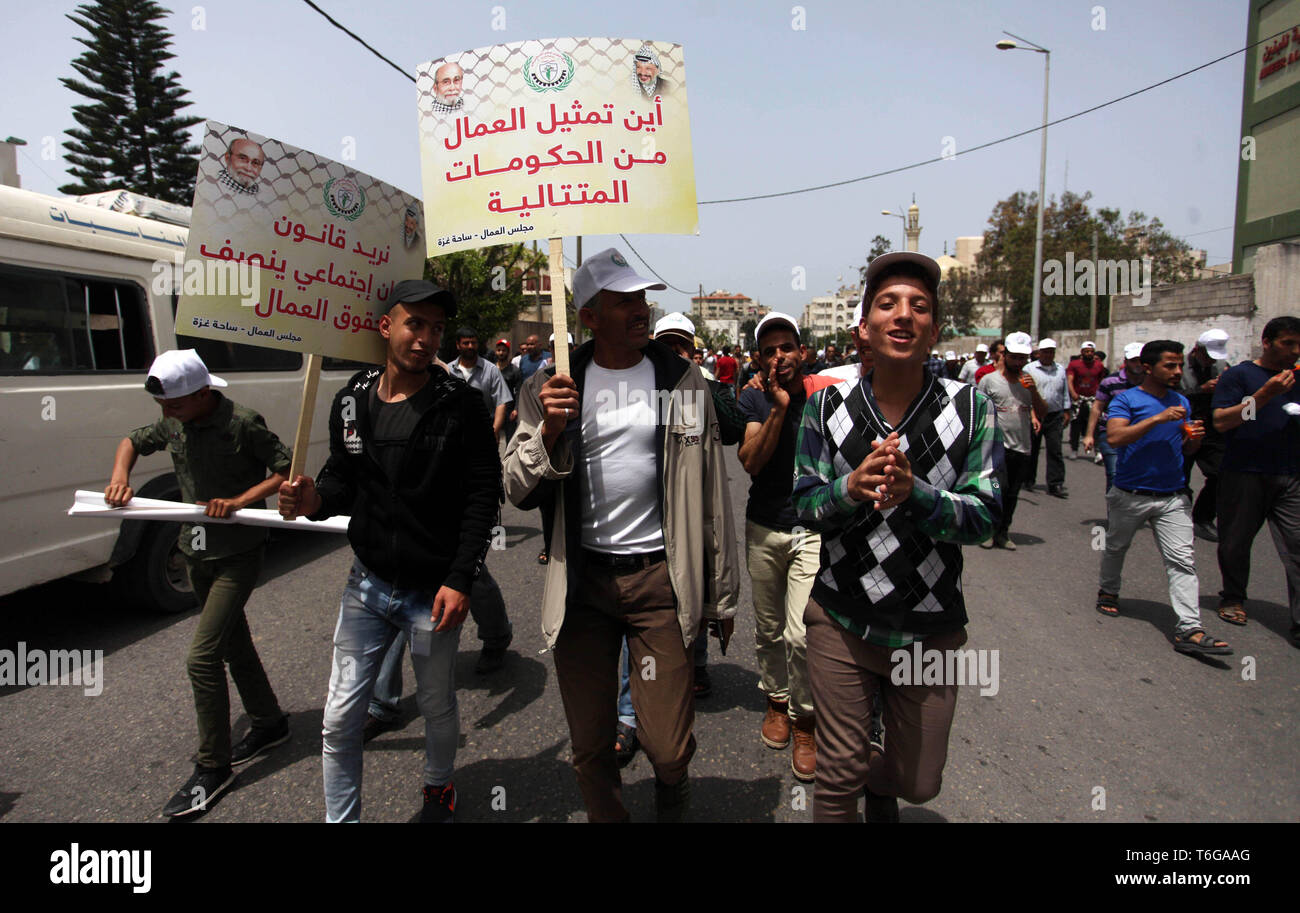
(1005, 45)
(886, 212)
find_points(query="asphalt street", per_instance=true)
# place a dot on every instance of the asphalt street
(1089, 711)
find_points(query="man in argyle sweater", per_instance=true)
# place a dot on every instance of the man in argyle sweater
(896, 471)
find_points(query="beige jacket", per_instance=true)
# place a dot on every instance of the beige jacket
(699, 535)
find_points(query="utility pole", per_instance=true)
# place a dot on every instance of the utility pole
(1092, 305)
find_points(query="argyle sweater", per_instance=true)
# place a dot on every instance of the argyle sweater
(894, 576)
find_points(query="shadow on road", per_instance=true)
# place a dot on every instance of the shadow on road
(71, 615)
(734, 687)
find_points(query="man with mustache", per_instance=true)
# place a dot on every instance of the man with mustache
(627, 449)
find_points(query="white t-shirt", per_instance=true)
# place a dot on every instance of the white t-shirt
(617, 473)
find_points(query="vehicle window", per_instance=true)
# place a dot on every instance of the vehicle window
(53, 322)
(220, 355)
(338, 364)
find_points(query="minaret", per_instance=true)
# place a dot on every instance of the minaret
(913, 228)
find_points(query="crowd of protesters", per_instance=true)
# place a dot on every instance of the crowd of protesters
(868, 472)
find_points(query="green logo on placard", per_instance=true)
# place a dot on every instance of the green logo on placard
(549, 71)
(344, 198)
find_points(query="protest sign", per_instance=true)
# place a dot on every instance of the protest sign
(547, 138)
(554, 137)
(291, 250)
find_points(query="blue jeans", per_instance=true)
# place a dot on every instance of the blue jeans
(1109, 456)
(486, 605)
(626, 714)
(371, 615)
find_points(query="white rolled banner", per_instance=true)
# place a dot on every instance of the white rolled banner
(92, 504)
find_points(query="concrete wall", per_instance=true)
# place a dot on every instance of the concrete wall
(1186, 310)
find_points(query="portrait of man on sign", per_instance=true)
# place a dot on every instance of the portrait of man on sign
(447, 84)
(241, 166)
(646, 73)
(410, 227)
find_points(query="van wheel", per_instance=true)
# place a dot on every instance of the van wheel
(155, 576)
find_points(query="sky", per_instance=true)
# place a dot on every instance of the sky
(862, 87)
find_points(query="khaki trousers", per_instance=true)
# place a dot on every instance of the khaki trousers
(846, 672)
(782, 567)
(606, 607)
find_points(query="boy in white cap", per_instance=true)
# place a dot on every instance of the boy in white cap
(222, 453)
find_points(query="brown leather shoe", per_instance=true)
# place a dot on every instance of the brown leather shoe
(803, 760)
(776, 724)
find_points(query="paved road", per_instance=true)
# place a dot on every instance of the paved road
(1083, 701)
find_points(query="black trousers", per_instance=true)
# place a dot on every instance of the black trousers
(1246, 500)
(1079, 424)
(1017, 467)
(1207, 457)
(1053, 425)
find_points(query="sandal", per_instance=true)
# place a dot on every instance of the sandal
(625, 744)
(1108, 603)
(1207, 645)
(1233, 614)
(543, 558)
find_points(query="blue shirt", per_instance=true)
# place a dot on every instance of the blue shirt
(531, 362)
(1154, 461)
(1270, 442)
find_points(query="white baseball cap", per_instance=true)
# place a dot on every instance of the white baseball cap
(1132, 350)
(178, 373)
(857, 316)
(1048, 343)
(552, 339)
(950, 355)
(1088, 345)
(1215, 342)
(982, 348)
(1019, 344)
(607, 270)
(775, 319)
(676, 322)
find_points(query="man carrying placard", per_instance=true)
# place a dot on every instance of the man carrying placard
(412, 459)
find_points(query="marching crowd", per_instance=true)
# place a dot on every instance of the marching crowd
(868, 473)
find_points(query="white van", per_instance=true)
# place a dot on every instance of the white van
(80, 323)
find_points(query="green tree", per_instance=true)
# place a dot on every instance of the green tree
(959, 296)
(131, 133)
(1007, 258)
(879, 245)
(488, 283)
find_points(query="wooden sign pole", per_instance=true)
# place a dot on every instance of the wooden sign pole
(559, 309)
(306, 412)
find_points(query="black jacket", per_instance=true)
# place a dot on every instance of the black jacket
(431, 526)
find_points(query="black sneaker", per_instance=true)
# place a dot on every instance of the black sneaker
(374, 726)
(673, 803)
(491, 659)
(258, 741)
(199, 791)
(880, 809)
(439, 805)
(1058, 491)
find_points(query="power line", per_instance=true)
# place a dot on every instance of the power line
(651, 268)
(355, 37)
(1005, 139)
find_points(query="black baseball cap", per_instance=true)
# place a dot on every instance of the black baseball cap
(414, 291)
(899, 261)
